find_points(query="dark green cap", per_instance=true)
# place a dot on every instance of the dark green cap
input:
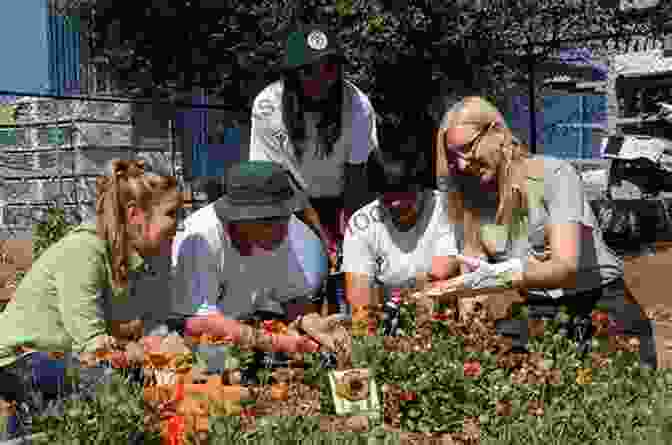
(308, 44)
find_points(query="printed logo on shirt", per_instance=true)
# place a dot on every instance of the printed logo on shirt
(281, 136)
(382, 264)
(361, 221)
(264, 109)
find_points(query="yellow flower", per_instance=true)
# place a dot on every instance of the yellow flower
(376, 23)
(584, 376)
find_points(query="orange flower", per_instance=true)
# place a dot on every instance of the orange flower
(280, 391)
(159, 360)
(103, 354)
(179, 392)
(176, 429)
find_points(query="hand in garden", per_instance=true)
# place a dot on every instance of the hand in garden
(451, 284)
(482, 274)
(151, 343)
(119, 360)
(105, 343)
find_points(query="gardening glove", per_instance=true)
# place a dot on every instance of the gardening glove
(485, 275)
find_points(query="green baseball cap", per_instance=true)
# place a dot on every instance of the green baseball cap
(307, 44)
(257, 190)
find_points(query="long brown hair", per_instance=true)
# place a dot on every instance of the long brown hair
(494, 138)
(127, 183)
(329, 128)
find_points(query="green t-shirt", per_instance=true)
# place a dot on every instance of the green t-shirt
(60, 305)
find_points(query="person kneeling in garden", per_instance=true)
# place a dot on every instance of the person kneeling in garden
(63, 303)
(530, 216)
(246, 256)
(399, 241)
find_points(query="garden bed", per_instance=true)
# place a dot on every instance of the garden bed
(450, 358)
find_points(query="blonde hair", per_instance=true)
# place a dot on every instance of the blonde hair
(489, 123)
(127, 183)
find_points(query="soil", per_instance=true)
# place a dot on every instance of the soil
(15, 256)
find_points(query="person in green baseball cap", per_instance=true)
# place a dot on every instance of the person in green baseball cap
(321, 128)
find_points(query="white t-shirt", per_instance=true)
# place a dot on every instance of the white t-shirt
(374, 246)
(269, 140)
(207, 266)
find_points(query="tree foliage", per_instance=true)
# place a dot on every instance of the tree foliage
(399, 51)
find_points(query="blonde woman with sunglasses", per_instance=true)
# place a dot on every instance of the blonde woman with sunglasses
(529, 216)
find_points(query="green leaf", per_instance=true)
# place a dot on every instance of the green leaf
(414, 413)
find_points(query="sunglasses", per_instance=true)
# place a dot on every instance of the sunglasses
(465, 150)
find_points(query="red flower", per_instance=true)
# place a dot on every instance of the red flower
(408, 396)
(248, 412)
(373, 327)
(440, 317)
(472, 369)
(179, 391)
(268, 327)
(175, 430)
(600, 316)
(119, 360)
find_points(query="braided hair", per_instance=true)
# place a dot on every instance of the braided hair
(126, 184)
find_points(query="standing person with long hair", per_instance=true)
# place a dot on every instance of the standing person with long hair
(321, 128)
(529, 214)
(63, 303)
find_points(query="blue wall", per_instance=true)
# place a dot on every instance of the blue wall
(40, 51)
(207, 159)
(567, 131)
(563, 125)
(24, 46)
(64, 54)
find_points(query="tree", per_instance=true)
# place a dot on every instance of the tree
(230, 46)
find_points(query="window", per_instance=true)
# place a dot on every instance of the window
(641, 96)
(572, 123)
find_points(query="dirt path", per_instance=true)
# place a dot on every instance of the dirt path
(649, 281)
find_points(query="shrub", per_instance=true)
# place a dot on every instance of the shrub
(46, 233)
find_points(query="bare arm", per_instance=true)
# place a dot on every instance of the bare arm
(560, 269)
(247, 336)
(360, 294)
(311, 218)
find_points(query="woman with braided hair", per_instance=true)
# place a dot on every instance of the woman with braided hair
(63, 303)
(529, 215)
